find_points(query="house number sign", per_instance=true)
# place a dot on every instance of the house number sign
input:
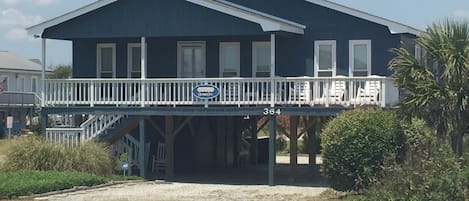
(272, 111)
(206, 91)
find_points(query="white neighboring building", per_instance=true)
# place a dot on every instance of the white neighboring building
(19, 90)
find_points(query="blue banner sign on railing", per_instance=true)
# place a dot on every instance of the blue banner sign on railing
(206, 91)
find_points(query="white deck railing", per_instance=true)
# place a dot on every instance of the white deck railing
(98, 124)
(299, 91)
(65, 136)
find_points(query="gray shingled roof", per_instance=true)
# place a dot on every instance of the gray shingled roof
(11, 61)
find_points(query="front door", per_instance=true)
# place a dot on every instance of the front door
(191, 59)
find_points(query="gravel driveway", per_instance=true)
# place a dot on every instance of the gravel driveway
(159, 190)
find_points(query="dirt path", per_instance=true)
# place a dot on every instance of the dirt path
(162, 191)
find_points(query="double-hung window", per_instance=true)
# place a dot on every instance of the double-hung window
(20, 84)
(106, 60)
(34, 84)
(325, 58)
(420, 54)
(360, 58)
(134, 60)
(261, 59)
(229, 59)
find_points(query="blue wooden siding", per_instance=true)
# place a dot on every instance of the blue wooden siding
(169, 21)
(152, 18)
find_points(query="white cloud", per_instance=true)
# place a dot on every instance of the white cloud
(461, 14)
(10, 2)
(18, 34)
(35, 2)
(13, 17)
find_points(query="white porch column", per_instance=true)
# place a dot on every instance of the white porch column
(272, 70)
(143, 68)
(43, 72)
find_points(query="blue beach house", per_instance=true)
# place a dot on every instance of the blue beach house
(180, 81)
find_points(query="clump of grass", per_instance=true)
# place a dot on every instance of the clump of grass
(34, 153)
(4, 146)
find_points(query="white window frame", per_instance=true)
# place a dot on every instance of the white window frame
(18, 79)
(317, 43)
(179, 55)
(254, 56)
(352, 53)
(99, 46)
(130, 46)
(420, 54)
(34, 82)
(238, 68)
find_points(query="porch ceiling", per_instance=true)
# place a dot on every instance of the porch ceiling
(267, 22)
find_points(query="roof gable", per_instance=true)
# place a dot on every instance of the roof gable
(394, 27)
(266, 21)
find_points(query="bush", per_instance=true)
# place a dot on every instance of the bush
(430, 171)
(354, 146)
(282, 146)
(34, 182)
(34, 153)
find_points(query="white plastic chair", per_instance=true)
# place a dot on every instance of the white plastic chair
(370, 93)
(335, 92)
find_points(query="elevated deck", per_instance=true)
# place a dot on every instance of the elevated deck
(343, 92)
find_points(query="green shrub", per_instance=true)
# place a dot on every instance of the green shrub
(354, 146)
(34, 153)
(34, 182)
(430, 171)
(465, 173)
(282, 146)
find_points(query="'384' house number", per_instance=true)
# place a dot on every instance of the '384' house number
(272, 111)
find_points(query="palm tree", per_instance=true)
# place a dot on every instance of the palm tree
(436, 87)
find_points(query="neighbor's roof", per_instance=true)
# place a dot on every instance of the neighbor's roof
(10, 61)
(266, 21)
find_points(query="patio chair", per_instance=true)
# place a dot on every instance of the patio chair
(301, 92)
(369, 95)
(336, 92)
(159, 160)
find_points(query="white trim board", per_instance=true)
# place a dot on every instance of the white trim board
(266, 21)
(394, 27)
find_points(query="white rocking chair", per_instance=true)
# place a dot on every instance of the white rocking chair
(336, 92)
(370, 94)
(159, 160)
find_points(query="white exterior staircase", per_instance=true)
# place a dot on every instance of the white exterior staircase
(95, 126)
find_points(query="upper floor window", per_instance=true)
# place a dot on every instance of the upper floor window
(134, 60)
(420, 54)
(20, 83)
(106, 60)
(360, 57)
(325, 58)
(261, 59)
(191, 59)
(229, 59)
(3, 83)
(34, 84)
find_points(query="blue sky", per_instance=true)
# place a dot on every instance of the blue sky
(15, 15)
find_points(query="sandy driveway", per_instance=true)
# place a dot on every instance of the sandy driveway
(156, 190)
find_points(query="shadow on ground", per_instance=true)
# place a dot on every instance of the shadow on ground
(254, 175)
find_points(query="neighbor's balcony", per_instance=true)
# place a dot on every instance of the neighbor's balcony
(285, 91)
